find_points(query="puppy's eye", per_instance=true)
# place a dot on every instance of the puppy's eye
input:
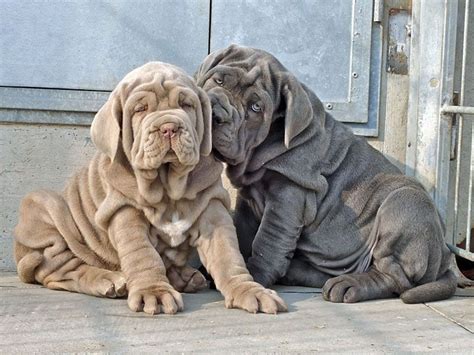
(185, 101)
(187, 104)
(256, 107)
(140, 108)
(219, 81)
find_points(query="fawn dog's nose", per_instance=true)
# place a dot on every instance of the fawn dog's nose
(169, 129)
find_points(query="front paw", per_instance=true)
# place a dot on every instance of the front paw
(254, 298)
(155, 298)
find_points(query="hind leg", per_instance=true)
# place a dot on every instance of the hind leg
(58, 268)
(352, 288)
(89, 280)
(409, 251)
(43, 256)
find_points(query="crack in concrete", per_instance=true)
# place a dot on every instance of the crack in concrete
(452, 320)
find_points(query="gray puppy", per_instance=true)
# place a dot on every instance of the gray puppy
(317, 205)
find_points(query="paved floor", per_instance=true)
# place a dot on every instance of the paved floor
(34, 319)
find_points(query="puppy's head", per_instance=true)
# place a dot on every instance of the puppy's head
(252, 95)
(156, 115)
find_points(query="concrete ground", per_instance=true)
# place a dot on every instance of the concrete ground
(35, 319)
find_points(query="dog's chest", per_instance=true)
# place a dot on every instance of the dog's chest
(174, 231)
(170, 239)
(169, 225)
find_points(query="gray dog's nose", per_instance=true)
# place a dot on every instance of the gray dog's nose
(220, 114)
(217, 118)
(169, 129)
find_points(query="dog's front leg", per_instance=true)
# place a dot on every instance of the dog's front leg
(147, 284)
(219, 252)
(280, 228)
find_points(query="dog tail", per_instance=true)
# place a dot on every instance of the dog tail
(26, 266)
(440, 289)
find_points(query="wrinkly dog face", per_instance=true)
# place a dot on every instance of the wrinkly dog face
(251, 94)
(156, 115)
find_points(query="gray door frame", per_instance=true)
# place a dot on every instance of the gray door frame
(439, 142)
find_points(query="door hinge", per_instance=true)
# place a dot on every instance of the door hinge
(378, 11)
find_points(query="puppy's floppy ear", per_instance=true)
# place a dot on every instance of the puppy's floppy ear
(299, 111)
(206, 144)
(105, 128)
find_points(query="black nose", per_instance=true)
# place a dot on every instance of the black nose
(218, 117)
(221, 110)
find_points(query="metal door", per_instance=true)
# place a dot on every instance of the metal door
(332, 46)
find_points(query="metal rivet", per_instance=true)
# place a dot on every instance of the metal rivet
(355, 75)
(329, 106)
(434, 83)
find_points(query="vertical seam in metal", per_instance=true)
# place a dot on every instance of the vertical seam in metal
(209, 28)
(463, 80)
(414, 87)
(464, 52)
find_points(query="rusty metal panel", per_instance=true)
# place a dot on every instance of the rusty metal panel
(399, 32)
